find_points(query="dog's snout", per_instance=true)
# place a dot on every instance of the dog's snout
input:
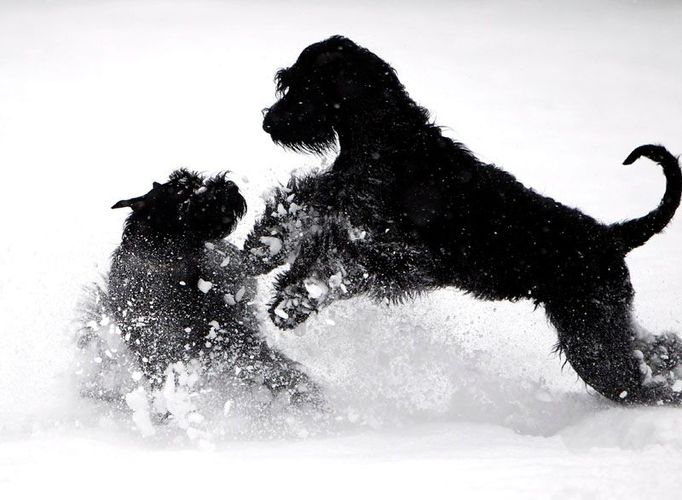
(267, 121)
(270, 120)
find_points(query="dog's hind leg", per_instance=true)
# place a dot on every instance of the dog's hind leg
(597, 337)
(604, 346)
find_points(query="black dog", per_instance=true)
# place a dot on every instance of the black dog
(179, 292)
(404, 209)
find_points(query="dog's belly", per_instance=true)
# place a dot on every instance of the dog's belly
(537, 273)
(520, 257)
(486, 278)
(486, 282)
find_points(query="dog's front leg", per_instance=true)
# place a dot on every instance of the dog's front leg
(276, 238)
(342, 262)
(326, 269)
(298, 296)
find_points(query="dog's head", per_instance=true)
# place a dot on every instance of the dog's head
(330, 82)
(188, 205)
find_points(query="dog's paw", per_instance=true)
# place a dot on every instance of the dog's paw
(291, 307)
(295, 302)
(307, 395)
(264, 254)
(660, 360)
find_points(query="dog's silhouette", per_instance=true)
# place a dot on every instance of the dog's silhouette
(179, 292)
(404, 209)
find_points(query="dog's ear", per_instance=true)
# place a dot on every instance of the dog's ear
(134, 203)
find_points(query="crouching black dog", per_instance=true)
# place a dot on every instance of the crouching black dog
(179, 292)
(404, 209)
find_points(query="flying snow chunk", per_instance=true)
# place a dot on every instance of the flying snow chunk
(281, 313)
(336, 281)
(240, 294)
(316, 288)
(137, 401)
(227, 408)
(677, 386)
(274, 244)
(356, 234)
(204, 286)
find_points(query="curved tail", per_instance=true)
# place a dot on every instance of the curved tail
(636, 232)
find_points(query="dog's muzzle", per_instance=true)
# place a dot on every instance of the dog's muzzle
(267, 125)
(269, 121)
(275, 120)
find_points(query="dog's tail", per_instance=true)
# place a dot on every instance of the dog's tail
(636, 232)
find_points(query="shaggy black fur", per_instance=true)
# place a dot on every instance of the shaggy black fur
(178, 291)
(404, 209)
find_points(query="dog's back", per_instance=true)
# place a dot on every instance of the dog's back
(499, 239)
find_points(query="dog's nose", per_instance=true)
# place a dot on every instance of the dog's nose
(267, 122)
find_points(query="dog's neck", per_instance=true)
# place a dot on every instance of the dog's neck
(376, 129)
(138, 237)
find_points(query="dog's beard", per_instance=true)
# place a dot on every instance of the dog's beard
(316, 140)
(319, 146)
(319, 143)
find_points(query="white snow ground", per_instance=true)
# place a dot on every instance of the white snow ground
(446, 397)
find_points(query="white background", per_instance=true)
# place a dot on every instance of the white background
(441, 398)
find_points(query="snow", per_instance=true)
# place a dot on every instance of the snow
(442, 397)
(204, 286)
(138, 403)
(274, 244)
(316, 288)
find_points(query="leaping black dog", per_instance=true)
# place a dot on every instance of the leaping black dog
(404, 209)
